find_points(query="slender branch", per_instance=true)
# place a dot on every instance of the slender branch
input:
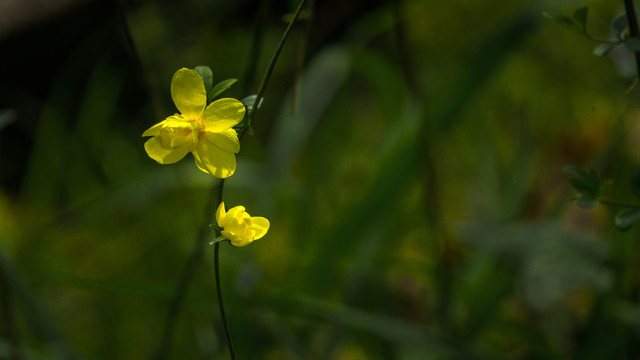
(197, 252)
(216, 262)
(261, 90)
(633, 28)
(216, 265)
(272, 64)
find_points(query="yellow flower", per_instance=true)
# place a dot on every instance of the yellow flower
(205, 131)
(240, 228)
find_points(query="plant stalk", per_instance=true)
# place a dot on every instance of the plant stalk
(633, 28)
(216, 262)
(272, 64)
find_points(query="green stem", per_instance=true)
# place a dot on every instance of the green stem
(216, 262)
(633, 28)
(216, 248)
(272, 64)
(601, 39)
(216, 265)
(611, 202)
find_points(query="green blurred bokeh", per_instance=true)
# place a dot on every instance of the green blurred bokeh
(408, 155)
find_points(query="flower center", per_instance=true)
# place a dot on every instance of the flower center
(198, 128)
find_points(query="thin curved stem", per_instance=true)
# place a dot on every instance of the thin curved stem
(216, 262)
(196, 255)
(272, 64)
(216, 249)
(633, 28)
(216, 265)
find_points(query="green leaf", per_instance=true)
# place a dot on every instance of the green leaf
(588, 184)
(250, 100)
(216, 227)
(587, 202)
(221, 87)
(619, 25)
(218, 239)
(583, 186)
(7, 117)
(580, 18)
(633, 44)
(207, 76)
(603, 49)
(575, 170)
(626, 218)
(565, 21)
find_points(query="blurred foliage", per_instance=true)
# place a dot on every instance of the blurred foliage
(408, 154)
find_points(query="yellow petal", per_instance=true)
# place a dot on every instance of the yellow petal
(188, 93)
(220, 214)
(214, 160)
(236, 240)
(241, 243)
(260, 225)
(176, 133)
(155, 129)
(223, 114)
(228, 140)
(235, 220)
(164, 155)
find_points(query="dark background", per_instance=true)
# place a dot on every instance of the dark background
(408, 154)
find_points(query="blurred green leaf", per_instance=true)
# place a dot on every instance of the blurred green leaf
(619, 24)
(588, 184)
(388, 328)
(575, 170)
(250, 100)
(565, 21)
(583, 186)
(577, 23)
(7, 116)
(582, 181)
(603, 49)
(580, 18)
(633, 44)
(221, 87)
(626, 218)
(550, 261)
(207, 76)
(587, 202)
